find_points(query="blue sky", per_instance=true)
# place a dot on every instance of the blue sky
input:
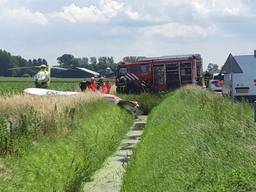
(46, 28)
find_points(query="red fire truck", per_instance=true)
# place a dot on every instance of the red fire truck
(156, 74)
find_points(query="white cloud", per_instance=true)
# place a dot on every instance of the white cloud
(221, 9)
(2, 3)
(24, 15)
(11, 14)
(75, 14)
(173, 30)
(132, 15)
(105, 12)
(111, 8)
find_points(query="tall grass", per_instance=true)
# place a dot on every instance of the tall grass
(26, 119)
(195, 141)
(62, 163)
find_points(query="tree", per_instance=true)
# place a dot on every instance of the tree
(213, 68)
(84, 61)
(110, 61)
(30, 63)
(35, 63)
(66, 60)
(132, 59)
(5, 58)
(44, 62)
(9, 61)
(93, 60)
(102, 60)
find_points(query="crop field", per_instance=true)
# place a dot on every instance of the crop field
(11, 86)
(195, 141)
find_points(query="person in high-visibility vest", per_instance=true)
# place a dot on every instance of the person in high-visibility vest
(106, 87)
(92, 85)
(42, 78)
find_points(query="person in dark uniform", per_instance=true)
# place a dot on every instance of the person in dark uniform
(100, 83)
(207, 77)
(83, 85)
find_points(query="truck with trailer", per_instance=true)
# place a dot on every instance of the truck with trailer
(159, 74)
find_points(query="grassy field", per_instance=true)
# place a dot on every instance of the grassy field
(11, 86)
(195, 141)
(55, 143)
(16, 85)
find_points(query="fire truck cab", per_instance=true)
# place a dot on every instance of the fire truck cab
(156, 74)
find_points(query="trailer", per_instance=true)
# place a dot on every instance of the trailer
(240, 77)
(157, 74)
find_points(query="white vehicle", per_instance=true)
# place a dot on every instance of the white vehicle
(216, 83)
(240, 77)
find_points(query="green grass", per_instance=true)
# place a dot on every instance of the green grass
(147, 101)
(195, 141)
(63, 163)
(16, 87)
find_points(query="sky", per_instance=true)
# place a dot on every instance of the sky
(118, 28)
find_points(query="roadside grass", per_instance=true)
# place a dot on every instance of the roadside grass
(147, 101)
(63, 163)
(195, 141)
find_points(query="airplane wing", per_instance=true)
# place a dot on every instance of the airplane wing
(61, 68)
(89, 71)
(15, 68)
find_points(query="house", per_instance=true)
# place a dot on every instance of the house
(240, 76)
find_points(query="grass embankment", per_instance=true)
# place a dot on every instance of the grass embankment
(56, 143)
(146, 101)
(195, 141)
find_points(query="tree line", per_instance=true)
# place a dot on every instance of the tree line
(8, 61)
(93, 63)
(17, 66)
(25, 67)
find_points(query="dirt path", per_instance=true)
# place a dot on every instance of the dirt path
(109, 178)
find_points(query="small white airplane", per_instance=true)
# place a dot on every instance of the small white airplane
(131, 106)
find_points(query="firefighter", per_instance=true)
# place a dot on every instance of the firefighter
(207, 77)
(100, 82)
(92, 86)
(106, 87)
(83, 85)
(134, 86)
(122, 85)
(42, 78)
